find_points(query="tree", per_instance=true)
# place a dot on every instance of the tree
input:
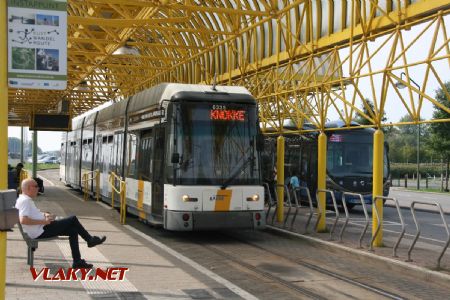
(361, 120)
(440, 141)
(14, 145)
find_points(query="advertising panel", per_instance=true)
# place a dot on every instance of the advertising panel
(37, 44)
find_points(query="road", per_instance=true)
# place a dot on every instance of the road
(430, 221)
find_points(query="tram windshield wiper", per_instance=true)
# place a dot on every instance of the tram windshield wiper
(249, 160)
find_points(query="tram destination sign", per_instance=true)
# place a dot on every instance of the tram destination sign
(147, 116)
(37, 44)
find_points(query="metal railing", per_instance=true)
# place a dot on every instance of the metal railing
(122, 193)
(88, 177)
(344, 203)
(336, 211)
(270, 202)
(397, 205)
(287, 203)
(275, 201)
(311, 207)
(418, 229)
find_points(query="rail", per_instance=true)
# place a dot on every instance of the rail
(122, 192)
(335, 208)
(311, 207)
(418, 229)
(363, 204)
(88, 177)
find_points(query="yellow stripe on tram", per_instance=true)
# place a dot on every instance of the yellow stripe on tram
(223, 200)
(140, 202)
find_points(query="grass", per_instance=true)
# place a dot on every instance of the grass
(41, 167)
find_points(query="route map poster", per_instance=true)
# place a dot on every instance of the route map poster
(37, 44)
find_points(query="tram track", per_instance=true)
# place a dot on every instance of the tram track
(306, 292)
(293, 276)
(315, 268)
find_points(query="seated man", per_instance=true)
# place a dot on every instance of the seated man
(43, 225)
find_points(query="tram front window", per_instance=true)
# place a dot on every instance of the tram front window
(216, 143)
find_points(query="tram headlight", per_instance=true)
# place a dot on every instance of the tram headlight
(254, 197)
(186, 198)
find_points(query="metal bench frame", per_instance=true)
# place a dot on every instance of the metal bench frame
(32, 244)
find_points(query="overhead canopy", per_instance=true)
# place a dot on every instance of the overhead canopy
(119, 47)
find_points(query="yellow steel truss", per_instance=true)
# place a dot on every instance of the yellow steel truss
(306, 61)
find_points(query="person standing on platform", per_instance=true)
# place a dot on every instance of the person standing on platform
(43, 225)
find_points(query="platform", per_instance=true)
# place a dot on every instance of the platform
(177, 277)
(157, 271)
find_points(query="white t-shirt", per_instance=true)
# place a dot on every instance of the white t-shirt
(27, 208)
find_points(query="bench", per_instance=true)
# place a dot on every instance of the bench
(32, 244)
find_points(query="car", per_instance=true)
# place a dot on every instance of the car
(49, 160)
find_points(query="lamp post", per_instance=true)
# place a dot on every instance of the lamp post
(400, 85)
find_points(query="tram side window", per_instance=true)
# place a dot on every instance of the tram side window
(98, 147)
(131, 155)
(111, 154)
(145, 155)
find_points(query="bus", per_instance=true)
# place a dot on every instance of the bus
(349, 162)
(189, 154)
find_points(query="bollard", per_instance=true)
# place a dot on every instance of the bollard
(406, 181)
(426, 182)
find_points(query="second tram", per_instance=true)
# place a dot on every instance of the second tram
(190, 156)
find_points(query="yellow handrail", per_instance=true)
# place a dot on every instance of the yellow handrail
(122, 192)
(86, 179)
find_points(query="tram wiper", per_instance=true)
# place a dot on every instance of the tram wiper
(249, 160)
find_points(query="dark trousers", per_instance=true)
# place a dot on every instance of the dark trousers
(70, 227)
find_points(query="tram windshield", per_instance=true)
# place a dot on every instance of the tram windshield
(351, 154)
(216, 143)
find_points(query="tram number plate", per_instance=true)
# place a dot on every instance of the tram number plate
(217, 198)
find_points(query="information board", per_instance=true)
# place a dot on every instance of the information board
(37, 44)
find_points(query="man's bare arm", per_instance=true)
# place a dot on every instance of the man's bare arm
(28, 221)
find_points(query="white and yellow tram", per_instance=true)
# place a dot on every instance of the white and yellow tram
(190, 156)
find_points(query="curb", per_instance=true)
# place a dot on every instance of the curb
(420, 272)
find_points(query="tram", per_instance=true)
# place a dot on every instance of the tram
(349, 162)
(189, 154)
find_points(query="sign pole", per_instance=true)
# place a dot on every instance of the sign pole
(3, 134)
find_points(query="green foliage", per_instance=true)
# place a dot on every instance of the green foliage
(400, 170)
(440, 140)
(368, 110)
(14, 146)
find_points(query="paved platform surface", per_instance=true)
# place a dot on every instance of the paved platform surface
(158, 272)
(154, 271)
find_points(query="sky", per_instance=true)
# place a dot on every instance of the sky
(50, 141)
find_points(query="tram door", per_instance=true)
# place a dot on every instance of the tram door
(158, 171)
